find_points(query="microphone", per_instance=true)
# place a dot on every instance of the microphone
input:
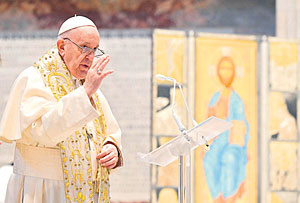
(162, 77)
(178, 122)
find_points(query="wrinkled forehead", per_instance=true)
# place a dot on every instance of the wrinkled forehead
(85, 33)
(83, 30)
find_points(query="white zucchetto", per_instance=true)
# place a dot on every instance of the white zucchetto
(75, 22)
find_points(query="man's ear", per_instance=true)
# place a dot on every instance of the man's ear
(61, 47)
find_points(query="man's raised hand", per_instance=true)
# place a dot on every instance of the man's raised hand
(96, 74)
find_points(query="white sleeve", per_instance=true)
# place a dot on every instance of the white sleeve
(71, 113)
(38, 114)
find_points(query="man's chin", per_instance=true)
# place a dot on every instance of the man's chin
(82, 76)
(83, 72)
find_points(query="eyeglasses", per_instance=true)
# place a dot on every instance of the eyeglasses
(86, 50)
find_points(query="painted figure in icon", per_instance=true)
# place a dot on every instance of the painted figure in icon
(225, 162)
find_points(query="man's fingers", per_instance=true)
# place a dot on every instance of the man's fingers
(103, 64)
(102, 154)
(103, 75)
(111, 166)
(109, 163)
(98, 61)
(106, 150)
(106, 158)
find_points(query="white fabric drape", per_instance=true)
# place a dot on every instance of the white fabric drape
(34, 117)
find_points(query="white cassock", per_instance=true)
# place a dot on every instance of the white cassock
(37, 122)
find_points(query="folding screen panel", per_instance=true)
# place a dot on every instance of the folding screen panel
(226, 88)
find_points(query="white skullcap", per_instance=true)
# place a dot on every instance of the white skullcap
(74, 22)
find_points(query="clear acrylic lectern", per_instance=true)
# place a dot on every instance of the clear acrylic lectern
(183, 144)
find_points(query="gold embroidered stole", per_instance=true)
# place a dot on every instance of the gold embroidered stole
(75, 150)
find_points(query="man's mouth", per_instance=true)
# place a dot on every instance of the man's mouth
(85, 66)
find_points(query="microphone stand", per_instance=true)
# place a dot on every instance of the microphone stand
(183, 167)
(188, 156)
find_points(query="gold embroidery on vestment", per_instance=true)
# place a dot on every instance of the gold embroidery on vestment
(75, 152)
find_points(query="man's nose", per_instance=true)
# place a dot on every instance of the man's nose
(90, 56)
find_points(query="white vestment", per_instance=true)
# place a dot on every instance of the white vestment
(36, 121)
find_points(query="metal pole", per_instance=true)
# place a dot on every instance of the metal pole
(188, 178)
(180, 184)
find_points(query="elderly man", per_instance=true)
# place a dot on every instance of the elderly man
(67, 139)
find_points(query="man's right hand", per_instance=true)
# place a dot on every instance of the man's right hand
(95, 75)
